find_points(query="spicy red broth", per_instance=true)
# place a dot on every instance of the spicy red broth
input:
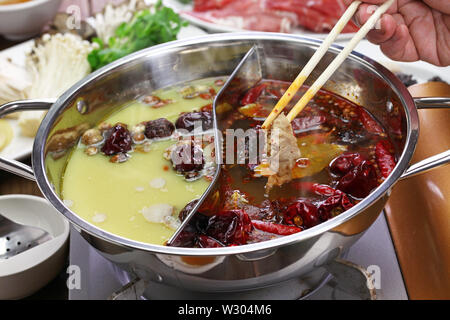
(345, 154)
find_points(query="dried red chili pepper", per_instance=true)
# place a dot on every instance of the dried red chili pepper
(335, 198)
(230, 227)
(328, 205)
(306, 210)
(384, 157)
(339, 199)
(345, 202)
(184, 239)
(345, 162)
(369, 123)
(208, 242)
(253, 94)
(275, 228)
(319, 189)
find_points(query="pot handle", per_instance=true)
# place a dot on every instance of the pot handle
(14, 166)
(432, 103)
(439, 159)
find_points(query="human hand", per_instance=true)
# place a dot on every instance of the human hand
(411, 30)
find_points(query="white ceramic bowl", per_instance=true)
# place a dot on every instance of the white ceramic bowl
(24, 20)
(29, 271)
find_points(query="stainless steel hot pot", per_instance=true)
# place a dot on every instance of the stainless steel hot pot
(305, 255)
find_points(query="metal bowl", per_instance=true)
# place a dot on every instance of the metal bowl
(233, 268)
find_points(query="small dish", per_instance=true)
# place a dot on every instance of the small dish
(24, 20)
(29, 271)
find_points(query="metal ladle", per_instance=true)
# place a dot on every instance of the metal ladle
(16, 238)
(248, 73)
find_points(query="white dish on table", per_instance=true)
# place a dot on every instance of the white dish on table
(24, 20)
(24, 274)
(20, 146)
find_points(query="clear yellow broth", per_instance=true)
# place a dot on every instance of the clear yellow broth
(94, 187)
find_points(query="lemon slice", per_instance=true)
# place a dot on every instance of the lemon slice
(6, 134)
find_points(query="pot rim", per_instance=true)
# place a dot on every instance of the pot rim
(397, 86)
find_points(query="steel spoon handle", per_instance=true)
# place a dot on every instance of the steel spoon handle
(13, 166)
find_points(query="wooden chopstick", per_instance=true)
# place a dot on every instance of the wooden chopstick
(334, 65)
(312, 63)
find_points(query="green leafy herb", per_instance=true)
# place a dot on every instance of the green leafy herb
(146, 29)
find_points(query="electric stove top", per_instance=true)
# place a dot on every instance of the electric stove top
(374, 251)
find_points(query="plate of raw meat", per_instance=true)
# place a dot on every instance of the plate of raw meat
(307, 17)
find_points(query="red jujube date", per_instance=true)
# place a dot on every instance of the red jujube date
(118, 140)
(159, 128)
(187, 121)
